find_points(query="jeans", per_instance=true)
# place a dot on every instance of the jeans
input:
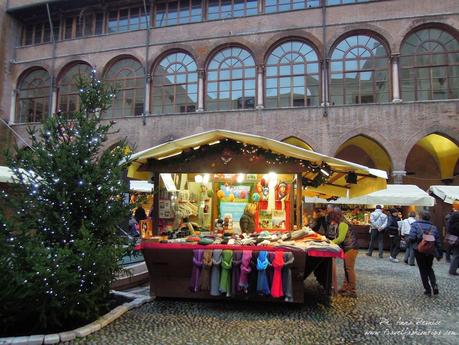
(455, 260)
(349, 269)
(376, 236)
(409, 252)
(425, 263)
(448, 254)
(394, 246)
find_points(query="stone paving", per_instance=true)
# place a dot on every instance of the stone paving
(390, 309)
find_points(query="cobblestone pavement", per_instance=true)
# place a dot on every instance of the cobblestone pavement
(390, 307)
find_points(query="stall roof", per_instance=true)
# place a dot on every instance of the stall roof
(7, 175)
(447, 193)
(369, 180)
(140, 186)
(395, 194)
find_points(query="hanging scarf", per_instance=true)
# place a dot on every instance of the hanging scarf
(270, 269)
(225, 278)
(215, 274)
(262, 281)
(278, 264)
(287, 276)
(204, 279)
(237, 260)
(253, 274)
(245, 270)
(196, 272)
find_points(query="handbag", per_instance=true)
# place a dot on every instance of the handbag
(403, 244)
(450, 241)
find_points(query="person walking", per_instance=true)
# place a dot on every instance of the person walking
(453, 233)
(394, 235)
(420, 231)
(378, 222)
(405, 232)
(347, 240)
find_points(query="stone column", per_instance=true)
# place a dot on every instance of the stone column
(324, 68)
(53, 108)
(398, 176)
(13, 106)
(395, 80)
(201, 74)
(147, 104)
(260, 71)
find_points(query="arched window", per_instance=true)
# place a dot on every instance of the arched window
(359, 71)
(292, 76)
(69, 100)
(175, 88)
(429, 63)
(127, 76)
(231, 80)
(33, 97)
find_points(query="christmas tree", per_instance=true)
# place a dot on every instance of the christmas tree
(59, 246)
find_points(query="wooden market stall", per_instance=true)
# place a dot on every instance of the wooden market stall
(409, 196)
(217, 176)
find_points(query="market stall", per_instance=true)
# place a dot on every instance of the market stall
(444, 197)
(357, 210)
(230, 193)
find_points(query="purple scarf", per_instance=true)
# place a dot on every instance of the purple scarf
(245, 270)
(197, 265)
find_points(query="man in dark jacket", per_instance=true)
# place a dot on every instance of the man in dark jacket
(452, 229)
(425, 261)
(394, 234)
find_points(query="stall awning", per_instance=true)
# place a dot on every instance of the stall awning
(368, 179)
(395, 194)
(7, 175)
(140, 186)
(447, 193)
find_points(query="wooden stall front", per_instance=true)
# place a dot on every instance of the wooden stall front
(170, 268)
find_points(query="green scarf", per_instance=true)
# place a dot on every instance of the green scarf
(225, 278)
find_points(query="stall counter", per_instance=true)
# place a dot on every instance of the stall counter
(170, 269)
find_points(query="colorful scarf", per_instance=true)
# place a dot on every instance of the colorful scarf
(278, 264)
(196, 272)
(287, 276)
(262, 281)
(225, 278)
(215, 274)
(245, 270)
(236, 272)
(204, 279)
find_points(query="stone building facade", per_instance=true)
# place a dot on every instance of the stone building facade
(374, 82)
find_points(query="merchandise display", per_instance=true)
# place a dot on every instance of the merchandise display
(228, 222)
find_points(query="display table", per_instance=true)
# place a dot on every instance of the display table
(170, 269)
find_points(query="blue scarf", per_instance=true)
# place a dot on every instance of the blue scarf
(262, 281)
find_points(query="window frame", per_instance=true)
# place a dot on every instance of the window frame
(230, 80)
(278, 76)
(431, 67)
(343, 71)
(46, 99)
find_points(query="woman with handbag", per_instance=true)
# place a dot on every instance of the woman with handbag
(427, 245)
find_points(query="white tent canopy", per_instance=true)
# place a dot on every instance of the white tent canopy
(395, 194)
(8, 176)
(447, 193)
(140, 186)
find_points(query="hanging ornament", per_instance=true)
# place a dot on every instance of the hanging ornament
(220, 194)
(231, 197)
(256, 197)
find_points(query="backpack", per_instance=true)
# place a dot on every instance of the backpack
(427, 244)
